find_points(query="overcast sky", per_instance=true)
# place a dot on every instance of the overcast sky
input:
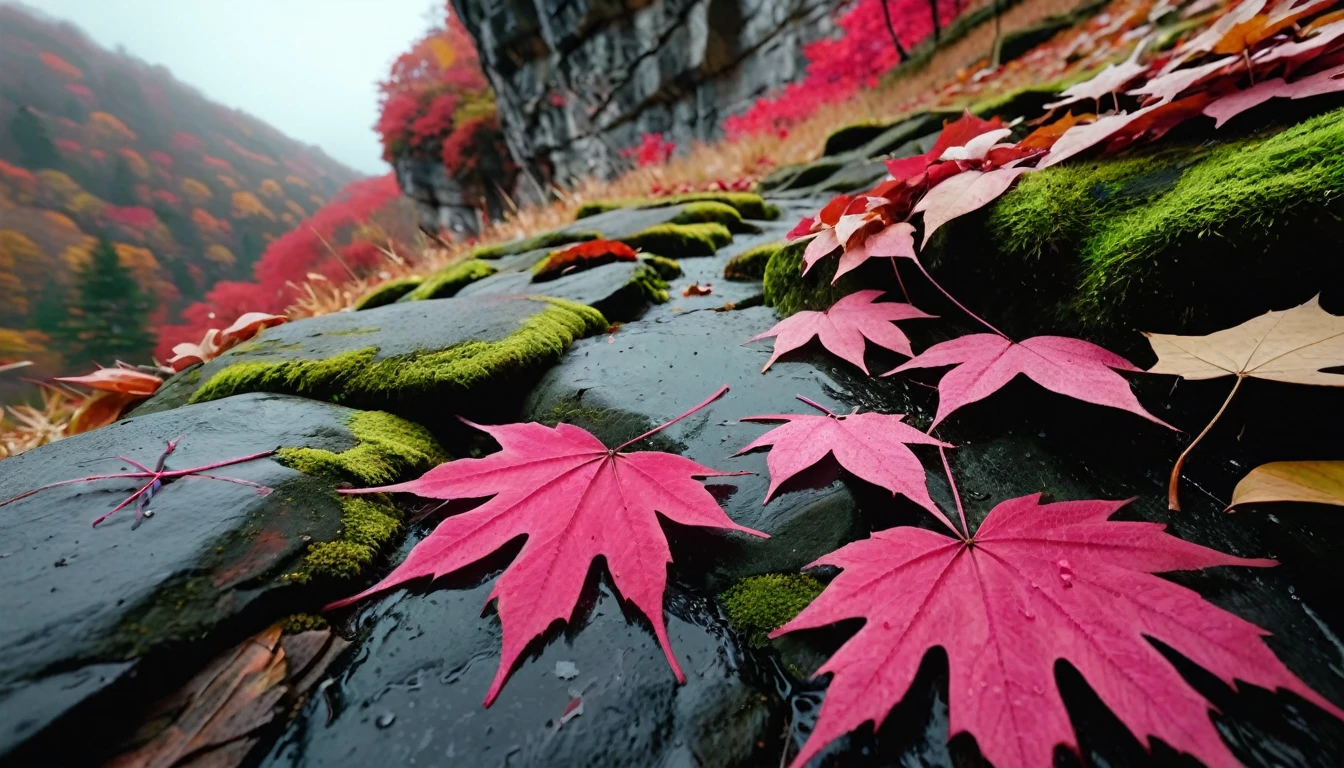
(308, 67)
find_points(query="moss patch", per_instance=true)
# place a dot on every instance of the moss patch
(359, 378)
(366, 526)
(709, 210)
(1130, 226)
(758, 605)
(665, 267)
(749, 205)
(388, 292)
(544, 240)
(302, 622)
(389, 448)
(750, 265)
(682, 240)
(788, 290)
(653, 286)
(448, 281)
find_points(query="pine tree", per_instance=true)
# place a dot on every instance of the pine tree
(109, 320)
(27, 131)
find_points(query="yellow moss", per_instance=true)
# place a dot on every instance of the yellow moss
(388, 292)
(750, 265)
(302, 622)
(544, 240)
(448, 281)
(788, 290)
(749, 205)
(682, 240)
(389, 448)
(665, 267)
(758, 605)
(709, 210)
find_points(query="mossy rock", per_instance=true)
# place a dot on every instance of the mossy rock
(666, 268)
(388, 292)
(712, 211)
(856, 176)
(620, 291)
(891, 141)
(750, 265)
(1160, 238)
(544, 240)
(427, 360)
(449, 280)
(758, 605)
(788, 290)
(749, 205)
(681, 241)
(851, 137)
(94, 614)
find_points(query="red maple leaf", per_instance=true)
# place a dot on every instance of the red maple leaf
(874, 446)
(844, 326)
(986, 361)
(1036, 583)
(575, 500)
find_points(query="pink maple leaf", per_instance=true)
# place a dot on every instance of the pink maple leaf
(873, 446)
(985, 362)
(575, 500)
(1233, 104)
(966, 192)
(1037, 583)
(843, 328)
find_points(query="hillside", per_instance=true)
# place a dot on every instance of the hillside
(96, 144)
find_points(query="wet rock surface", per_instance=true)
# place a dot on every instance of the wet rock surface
(87, 611)
(597, 693)
(384, 358)
(612, 289)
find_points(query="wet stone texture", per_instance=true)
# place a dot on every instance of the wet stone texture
(598, 693)
(610, 288)
(109, 612)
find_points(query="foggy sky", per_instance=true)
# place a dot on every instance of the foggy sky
(308, 67)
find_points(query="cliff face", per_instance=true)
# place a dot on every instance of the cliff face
(579, 80)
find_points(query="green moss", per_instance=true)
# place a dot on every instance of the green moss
(302, 622)
(389, 449)
(388, 292)
(1121, 223)
(665, 267)
(682, 240)
(758, 605)
(544, 240)
(750, 265)
(358, 377)
(449, 280)
(788, 290)
(650, 284)
(367, 526)
(748, 204)
(709, 210)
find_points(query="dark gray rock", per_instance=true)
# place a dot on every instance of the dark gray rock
(438, 197)
(88, 611)
(385, 358)
(577, 82)
(612, 289)
(410, 692)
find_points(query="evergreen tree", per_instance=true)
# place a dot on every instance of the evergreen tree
(121, 187)
(109, 320)
(27, 131)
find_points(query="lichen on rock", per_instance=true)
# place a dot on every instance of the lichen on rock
(758, 605)
(367, 525)
(681, 240)
(449, 280)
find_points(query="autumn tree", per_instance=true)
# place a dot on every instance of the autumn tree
(31, 137)
(109, 318)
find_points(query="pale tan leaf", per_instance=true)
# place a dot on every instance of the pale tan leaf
(1317, 482)
(1291, 346)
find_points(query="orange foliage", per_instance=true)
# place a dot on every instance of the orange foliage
(244, 152)
(587, 255)
(295, 181)
(269, 188)
(216, 162)
(61, 66)
(196, 192)
(135, 162)
(61, 221)
(218, 254)
(82, 91)
(227, 181)
(246, 204)
(108, 126)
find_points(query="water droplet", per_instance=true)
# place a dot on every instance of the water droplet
(984, 683)
(1065, 573)
(1038, 690)
(997, 690)
(385, 720)
(1026, 613)
(1291, 590)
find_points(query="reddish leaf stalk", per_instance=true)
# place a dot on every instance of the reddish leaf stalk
(818, 406)
(899, 281)
(956, 496)
(661, 427)
(1174, 482)
(953, 299)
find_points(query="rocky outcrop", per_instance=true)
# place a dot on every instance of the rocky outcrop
(578, 80)
(437, 195)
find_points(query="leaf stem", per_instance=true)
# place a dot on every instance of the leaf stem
(818, 406)
(956, 496)
(660, 427)
(953, 299)
(899, 281)
(1173, 483)
(90, 478)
